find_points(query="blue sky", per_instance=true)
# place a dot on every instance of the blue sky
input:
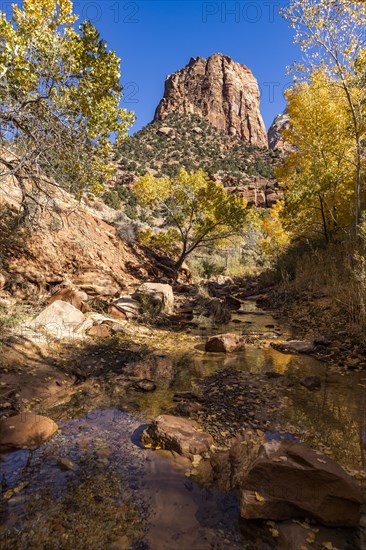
(155, 38)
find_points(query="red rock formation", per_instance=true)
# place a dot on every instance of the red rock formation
(219, 90)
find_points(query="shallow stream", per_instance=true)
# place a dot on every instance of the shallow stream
(119, 495)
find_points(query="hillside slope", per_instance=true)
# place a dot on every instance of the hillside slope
(190, 142)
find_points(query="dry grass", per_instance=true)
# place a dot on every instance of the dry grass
(337, 271)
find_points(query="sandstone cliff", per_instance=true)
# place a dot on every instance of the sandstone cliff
(219, 90)
(275, 139)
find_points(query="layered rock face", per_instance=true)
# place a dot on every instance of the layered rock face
(275, 139)
(219, 90)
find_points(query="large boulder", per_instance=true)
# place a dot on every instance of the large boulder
(156, 297)
(25, 431)
(290, 480)
(225, 343)
(60, 319)
(181, 435)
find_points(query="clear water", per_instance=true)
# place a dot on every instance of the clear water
(117, 487)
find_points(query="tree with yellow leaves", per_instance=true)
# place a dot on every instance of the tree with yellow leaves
(59, 99)
(319, 174)
(275, 237)
(331, 34)
(198, 211)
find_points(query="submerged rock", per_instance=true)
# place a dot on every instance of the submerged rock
(311, 382)
(225, 343)
(290, 480)
(25, 431)
(66, 464)
(296, 346)
(181, 435)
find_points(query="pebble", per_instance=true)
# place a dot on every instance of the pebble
(66, 464)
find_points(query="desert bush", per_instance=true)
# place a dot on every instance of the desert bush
(127, 229)
(112, 199)
(207, 267)
(151, 307)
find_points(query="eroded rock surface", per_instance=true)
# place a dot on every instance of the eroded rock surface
(181, 435)
(219, 90)
(290, 480)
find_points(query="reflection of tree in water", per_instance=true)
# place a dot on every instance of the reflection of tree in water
(333, 417)
(69, 510)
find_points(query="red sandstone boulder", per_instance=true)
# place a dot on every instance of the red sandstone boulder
(225, 343)
(25, 431)
(181, 435)
(290, 480)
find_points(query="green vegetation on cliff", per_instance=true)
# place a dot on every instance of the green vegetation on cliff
(189, 142)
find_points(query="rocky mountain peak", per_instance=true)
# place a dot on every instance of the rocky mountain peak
(275, 139)
(220, 90)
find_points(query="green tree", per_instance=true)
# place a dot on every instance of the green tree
(59, 99)
(198, 211)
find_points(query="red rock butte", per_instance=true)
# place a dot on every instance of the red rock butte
(219, 90)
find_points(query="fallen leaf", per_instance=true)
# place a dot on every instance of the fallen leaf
(259, 497)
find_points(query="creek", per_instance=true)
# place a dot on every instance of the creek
(116, 494)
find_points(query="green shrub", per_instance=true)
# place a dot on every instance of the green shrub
(112, 199)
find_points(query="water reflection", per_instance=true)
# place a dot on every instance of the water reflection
(118, 488)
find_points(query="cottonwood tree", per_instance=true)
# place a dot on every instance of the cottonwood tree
(198, 212)
(319, 173)
(59, 100)
(331, 34)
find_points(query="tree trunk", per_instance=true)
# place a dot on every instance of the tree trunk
(325, 227)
